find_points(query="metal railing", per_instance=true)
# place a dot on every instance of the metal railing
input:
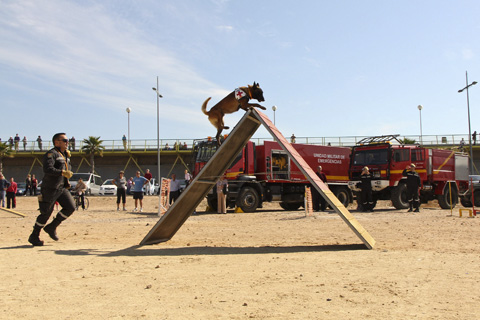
(447, 140)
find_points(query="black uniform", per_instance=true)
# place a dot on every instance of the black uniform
(318, 202)
(366, 186)
(54, 188)
(413, 184)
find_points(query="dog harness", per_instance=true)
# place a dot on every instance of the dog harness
(239, 93)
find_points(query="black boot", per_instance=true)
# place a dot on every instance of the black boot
(410, 209)
(34, 238)
(417, 207)
(51, 229)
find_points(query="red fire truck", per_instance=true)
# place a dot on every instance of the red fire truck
(442, 172)
(264, 173)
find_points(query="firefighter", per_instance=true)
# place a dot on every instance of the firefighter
(366, 186)
(55, 185)
(318, 201)
(413, 185)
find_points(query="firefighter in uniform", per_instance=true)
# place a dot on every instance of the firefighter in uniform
(413, 185)
(55, 185)
(366, 186)
(319, 202)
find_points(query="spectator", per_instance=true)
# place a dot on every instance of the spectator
(462, 145)
(39, 141)
(28, 185)
(129, 185)
(293, 138)
(174, 188)
(17, 142)
(188, 178)
(4, 184)
(24, 143)
(185, 147)
(121, 182)
(11, 194)
(222, 190)
(80, 190)
(474, 137)
(34, 185)
(148, 186)
(138, 183)
(166, 146)
(318, 201)
(71, 144)
(10, 142)
(124, 139)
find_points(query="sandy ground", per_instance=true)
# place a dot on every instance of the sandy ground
(270, 264)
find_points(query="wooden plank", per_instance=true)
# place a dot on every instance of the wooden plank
(183, 208)
(316, 181)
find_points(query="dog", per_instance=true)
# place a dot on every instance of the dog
(231, 103)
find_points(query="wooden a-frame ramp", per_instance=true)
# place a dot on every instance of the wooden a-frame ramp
(181, 210)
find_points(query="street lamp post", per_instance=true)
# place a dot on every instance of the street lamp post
(158, 135)
(420, 107)
(274, 108)
(469, 127)
(128, 112)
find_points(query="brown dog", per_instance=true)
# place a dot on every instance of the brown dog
(233, 102)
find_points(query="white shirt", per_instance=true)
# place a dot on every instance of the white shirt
(174, 185)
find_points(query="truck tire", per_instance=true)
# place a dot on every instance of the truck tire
(343, 195)
(476, 198)
(399, 196)
(290, 206)
(465, 202)
(248, 199)
(444, 199)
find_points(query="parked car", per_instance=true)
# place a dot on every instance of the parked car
(473, 185)
(21, 186)
(154, 187)
(92, 181)
(108, 188)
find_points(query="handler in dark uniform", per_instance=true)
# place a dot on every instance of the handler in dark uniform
(55, 185)
(318, 202)
(413, 185)
(366, 186)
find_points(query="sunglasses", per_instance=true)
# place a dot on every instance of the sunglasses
(63, 140)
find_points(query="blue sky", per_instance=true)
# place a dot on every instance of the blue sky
(332, 68)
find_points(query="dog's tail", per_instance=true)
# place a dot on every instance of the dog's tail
(204, 106)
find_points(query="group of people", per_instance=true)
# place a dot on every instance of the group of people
(14, 143)
(9, 189)
(413, 184)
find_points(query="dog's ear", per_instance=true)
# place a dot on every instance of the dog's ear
(254, 84)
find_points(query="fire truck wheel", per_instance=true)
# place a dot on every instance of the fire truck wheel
(290, 206)
(399, 196)
(342, 196)
(466, 203)
(476, 198)
(248, 200)
(444, 199)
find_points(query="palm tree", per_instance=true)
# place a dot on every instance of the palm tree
(93, 147)
(408, 141)
(5, 151)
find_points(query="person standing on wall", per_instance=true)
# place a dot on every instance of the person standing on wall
(55, 185)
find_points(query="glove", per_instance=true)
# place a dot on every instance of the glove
(67, 174)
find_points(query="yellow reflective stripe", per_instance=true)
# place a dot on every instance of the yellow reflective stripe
(233, 174)
(336, 178)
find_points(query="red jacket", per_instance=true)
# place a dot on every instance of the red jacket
(12, 188)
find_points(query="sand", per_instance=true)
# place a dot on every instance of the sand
(271, 264)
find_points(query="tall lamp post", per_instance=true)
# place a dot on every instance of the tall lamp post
(420, 107)
(274, 108)
(158, 135)
(469, 127)
(128, 112)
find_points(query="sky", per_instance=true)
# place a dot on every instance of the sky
(332, 68)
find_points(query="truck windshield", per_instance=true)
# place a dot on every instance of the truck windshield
(207, 150)
(369, 157)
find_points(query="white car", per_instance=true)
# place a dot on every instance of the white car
(108, 188)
